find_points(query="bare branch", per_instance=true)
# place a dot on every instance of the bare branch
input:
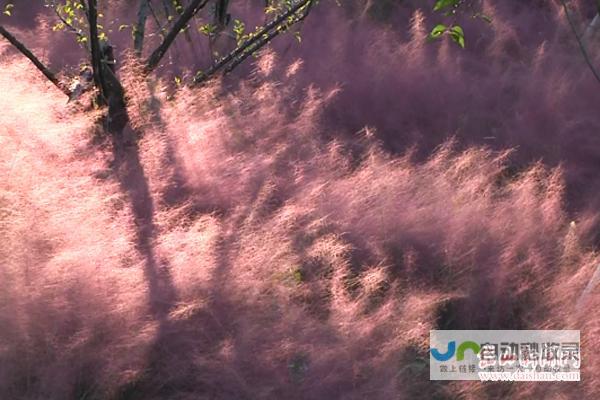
(184, 18)
(257, 41)
(581, 45)
(161, 27)
(593, 282)
(140, 29)
(221, 15)
(39, 65)
(591, 30)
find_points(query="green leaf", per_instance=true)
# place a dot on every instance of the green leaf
(458, 30)
(58, 27)
(239, 27)
(458, 35)
(437, 31)
(208, 29)
(441, 4)
(486, 18)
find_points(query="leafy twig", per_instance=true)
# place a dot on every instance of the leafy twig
(80, 35)
(256, 41)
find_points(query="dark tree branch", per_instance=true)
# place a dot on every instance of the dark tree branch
(184, 18)
(581, 45)
(39, 65)
(166, 9)
(593, 27)
(257, 41)
(160, 26)
(221, 15)
(140, 29)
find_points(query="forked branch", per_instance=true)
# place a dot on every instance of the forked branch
(180, 24)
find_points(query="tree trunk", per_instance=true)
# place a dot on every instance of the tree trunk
(111, 91)
(95, 45)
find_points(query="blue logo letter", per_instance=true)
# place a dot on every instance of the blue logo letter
(447, 355)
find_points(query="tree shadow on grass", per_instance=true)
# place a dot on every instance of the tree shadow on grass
(134, 183)
(129, 171)
(171, 368)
